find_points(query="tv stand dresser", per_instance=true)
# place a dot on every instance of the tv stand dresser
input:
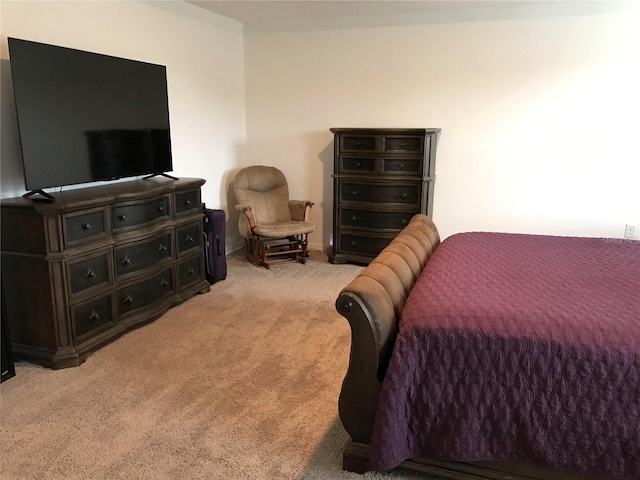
(99, 261)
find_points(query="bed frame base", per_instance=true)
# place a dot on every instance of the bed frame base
(355, 459)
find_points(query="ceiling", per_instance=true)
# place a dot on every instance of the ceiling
(288, 15)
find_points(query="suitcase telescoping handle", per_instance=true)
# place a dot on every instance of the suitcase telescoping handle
(206, 250)
(218, 246)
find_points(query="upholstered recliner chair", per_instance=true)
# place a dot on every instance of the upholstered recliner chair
(275, 228)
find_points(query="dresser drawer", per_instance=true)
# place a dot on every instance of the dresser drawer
(134, 257)
(91, 317)
(89, 273)
(362, 244)
(189, 271)
(144, 293)
(189, 237)
(134, 214)
(375, 220)
(85, 226)
(358, 143)
(403, 144)
(399, 194)
(187, 201)
(357, 164)
(402, 166)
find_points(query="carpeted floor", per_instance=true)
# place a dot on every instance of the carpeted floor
(238, 383)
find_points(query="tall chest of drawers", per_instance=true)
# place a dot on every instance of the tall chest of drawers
(382, 177)
(99, 261)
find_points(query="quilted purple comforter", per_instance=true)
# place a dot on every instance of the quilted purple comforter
(522, 348)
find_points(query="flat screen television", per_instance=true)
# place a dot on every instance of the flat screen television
(86, 117)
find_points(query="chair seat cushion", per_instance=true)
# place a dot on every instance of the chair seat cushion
(284, 229)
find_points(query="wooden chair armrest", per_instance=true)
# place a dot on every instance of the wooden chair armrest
(300, 209)
(246, 209)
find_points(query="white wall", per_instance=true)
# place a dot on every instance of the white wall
(538, 115)
(204, 56)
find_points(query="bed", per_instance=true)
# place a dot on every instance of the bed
(495, 356)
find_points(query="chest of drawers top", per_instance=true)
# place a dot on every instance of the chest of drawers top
(410, 141)
(388, 153)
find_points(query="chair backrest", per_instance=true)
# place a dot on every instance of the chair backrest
(266, 190)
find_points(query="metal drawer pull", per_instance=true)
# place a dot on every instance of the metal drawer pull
(187, 202)
(86, 226)
(188, 239)
(93, 315)
(354, 218)
(128, 299)
(190, 271)
(89, 274)
(160, 208)
(401, 166)
(404, 196)
(122, 217)
(354, 242)
(126, 261)
(358, 165)
(163, 282)
(403, 222)
(354, 193)
(162, 247)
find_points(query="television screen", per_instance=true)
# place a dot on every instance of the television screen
(84, 117)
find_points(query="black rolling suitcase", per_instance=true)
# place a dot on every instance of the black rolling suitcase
(214, 246)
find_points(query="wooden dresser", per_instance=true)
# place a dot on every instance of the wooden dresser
(382, 177)
(97, 262)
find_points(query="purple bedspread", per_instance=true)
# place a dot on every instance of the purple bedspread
(522, 348)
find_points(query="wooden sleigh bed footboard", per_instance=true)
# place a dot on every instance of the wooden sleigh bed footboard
(372, 304)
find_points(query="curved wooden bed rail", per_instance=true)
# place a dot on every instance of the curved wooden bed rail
(372, 304)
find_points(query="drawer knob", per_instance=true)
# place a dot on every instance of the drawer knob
(187, 202)
(160, 208)
(188, 239)
(354, 193)
(190, 271)
(354, 242)
(404, 196)
(86, 226)
(125, 262)
(128, 299)
(122, 217)
(403, 222)
(162, 248)
(93, 315)
(163, 282)
(358, 165)
(354, 218)
(89, 274)
(401, 166)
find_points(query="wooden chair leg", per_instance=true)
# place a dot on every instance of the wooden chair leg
(253, 251)
(303, 245)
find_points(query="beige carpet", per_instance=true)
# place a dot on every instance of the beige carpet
(238, 383)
